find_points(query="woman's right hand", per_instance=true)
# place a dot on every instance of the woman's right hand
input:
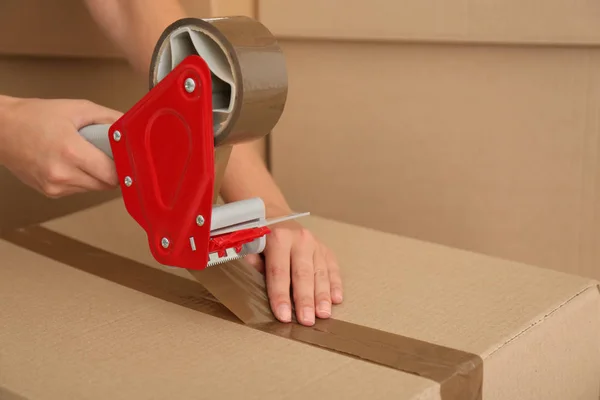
(40, 143)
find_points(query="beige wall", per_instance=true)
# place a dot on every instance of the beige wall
(470, 130)
(39, 27)
(233, 7)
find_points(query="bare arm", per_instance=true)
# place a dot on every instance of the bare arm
(293, 257)
(135, 26)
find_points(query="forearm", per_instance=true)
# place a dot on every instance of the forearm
(4, 100)
(5, 103)
(135, 25)
(247, 176)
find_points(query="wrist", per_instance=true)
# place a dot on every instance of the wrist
(273, 210)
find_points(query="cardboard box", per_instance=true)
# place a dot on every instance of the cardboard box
(86, 313)
(470, 124)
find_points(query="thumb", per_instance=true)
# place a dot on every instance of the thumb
(87, 157)
(88, 113)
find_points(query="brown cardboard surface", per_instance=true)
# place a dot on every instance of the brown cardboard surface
(458, 373)
(490, 149)
(108, 82)
(101, 336)
(113, 340)
(493, 21)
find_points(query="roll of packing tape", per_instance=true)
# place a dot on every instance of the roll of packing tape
(249, 76)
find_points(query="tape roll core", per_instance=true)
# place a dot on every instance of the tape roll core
(248, 72)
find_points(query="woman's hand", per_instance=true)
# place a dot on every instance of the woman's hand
(295, 259)
(41, 145)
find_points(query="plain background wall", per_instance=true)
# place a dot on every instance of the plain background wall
(470, 124)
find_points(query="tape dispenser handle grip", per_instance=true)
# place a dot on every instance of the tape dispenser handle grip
(98, 136)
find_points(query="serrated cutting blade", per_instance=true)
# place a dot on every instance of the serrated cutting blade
(230, 255)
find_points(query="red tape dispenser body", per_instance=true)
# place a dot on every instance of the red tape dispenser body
(163, 149)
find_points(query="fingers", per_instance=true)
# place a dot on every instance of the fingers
(256, 261)
(60, 180)
(89, 113)
(85, 155)
(89, 183)
(303, 278)
(294, 258)
(322, 286)
(278, 276)
(335, 278)
(93, 162)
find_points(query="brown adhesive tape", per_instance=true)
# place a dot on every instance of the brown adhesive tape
(256, 62)
(239, 289)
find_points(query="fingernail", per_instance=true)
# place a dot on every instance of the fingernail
(308, 315)
(285, 312)
(324, 308)
(337, 295)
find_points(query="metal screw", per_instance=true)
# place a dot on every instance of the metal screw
(190, 85)
(128, 181)
(200, 220)
(164, 242)
(117, 136)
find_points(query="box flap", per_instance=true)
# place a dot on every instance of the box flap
(97, 329)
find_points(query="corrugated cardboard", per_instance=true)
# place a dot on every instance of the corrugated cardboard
(90, 332)
(471, 124)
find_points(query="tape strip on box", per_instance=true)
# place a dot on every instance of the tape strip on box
(236, 288)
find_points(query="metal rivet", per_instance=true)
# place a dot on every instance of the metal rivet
(128, 181)
(200, 220)
(164, 242)
(190, 85)
(117, 136)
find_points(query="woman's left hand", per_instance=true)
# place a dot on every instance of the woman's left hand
(294, 258)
